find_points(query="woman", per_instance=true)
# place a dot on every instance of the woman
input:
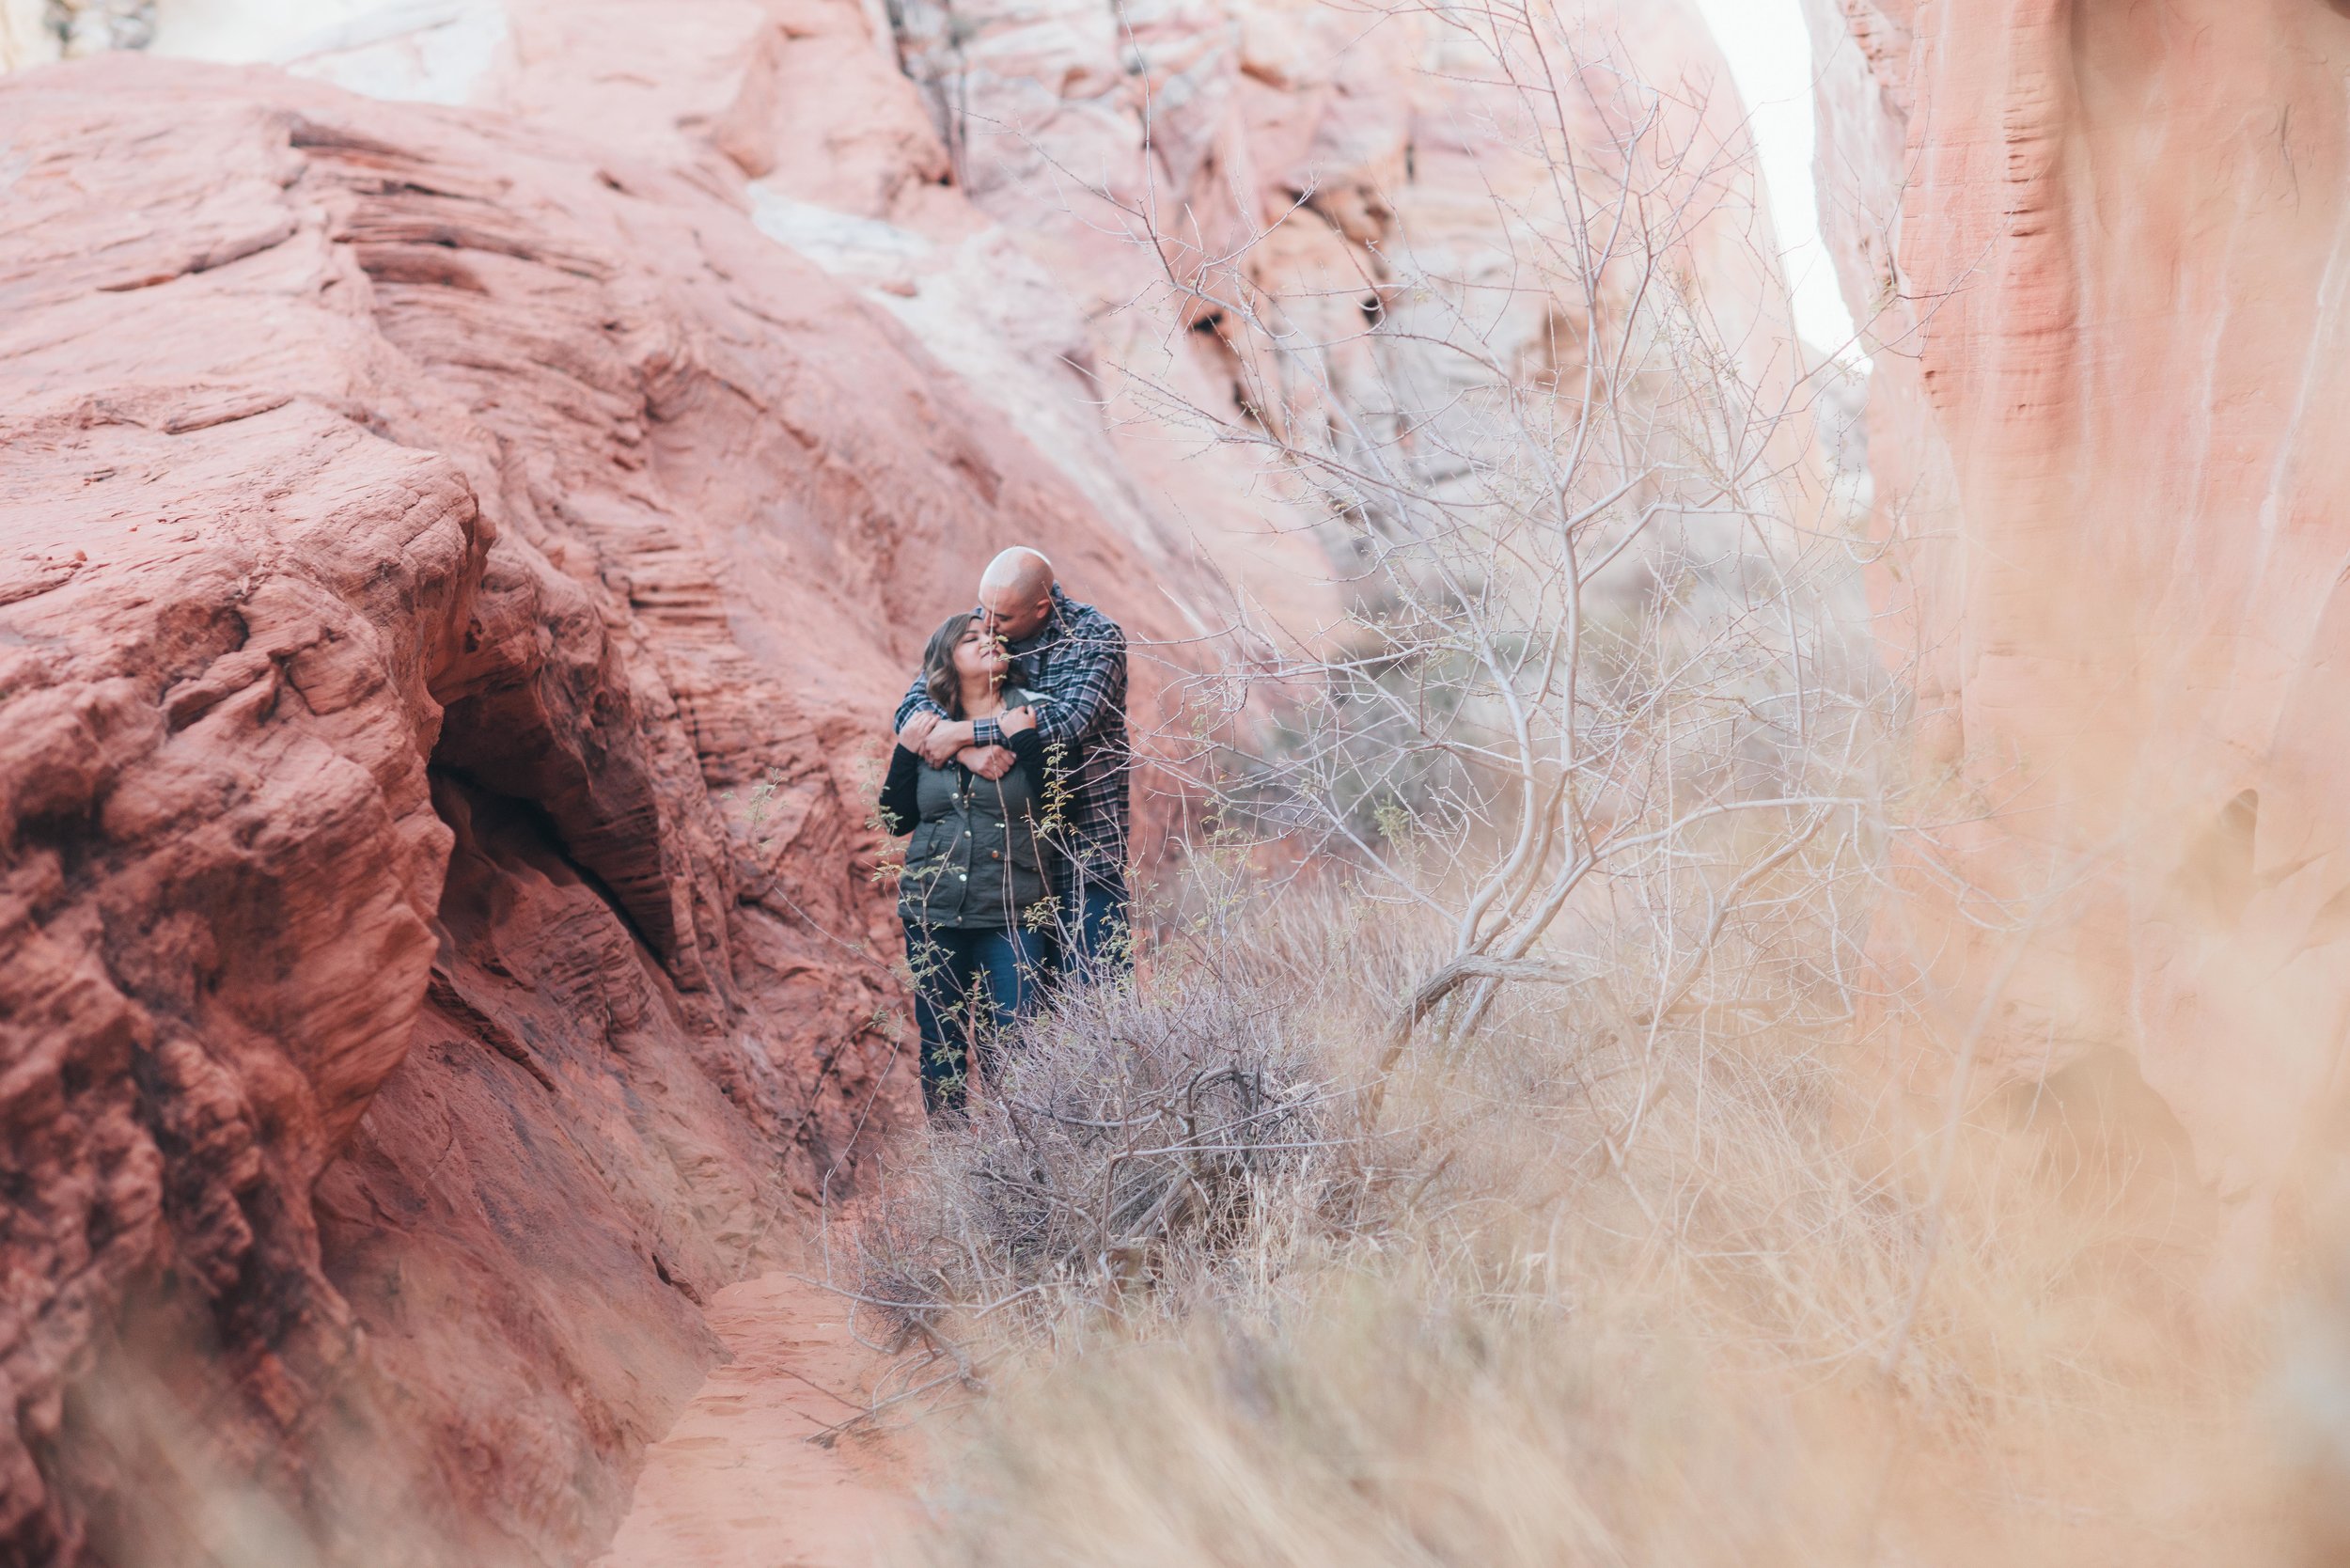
(975, 866)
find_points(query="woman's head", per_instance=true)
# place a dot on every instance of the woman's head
(960, 653)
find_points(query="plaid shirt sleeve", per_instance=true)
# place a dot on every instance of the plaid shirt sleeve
(915, 700)
(984, 731)
(1081, 685)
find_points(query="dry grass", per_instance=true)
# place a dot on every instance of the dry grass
(1628, 1249)
(1582, 1295)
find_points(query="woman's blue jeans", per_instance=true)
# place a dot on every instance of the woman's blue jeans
(970, 988)
(1095, 941)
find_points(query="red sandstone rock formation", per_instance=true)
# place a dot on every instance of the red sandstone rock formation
(2105, 249)
(452, 582)
(1318, 156)
(457, 561)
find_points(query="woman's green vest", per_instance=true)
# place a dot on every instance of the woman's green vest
(973, 861)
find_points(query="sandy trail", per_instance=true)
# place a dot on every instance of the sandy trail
(736, 1484)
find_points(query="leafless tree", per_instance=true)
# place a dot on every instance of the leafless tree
(1595, 700)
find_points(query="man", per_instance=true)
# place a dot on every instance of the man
(1072, 658)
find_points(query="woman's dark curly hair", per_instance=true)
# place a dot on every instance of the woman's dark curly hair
(938, 664)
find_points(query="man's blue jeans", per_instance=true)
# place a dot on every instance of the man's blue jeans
(1096, 936)
(970, 988)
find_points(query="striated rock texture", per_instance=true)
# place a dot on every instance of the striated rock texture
(1363, 176)
(458, 554)
(450, 582)
(2104, 250)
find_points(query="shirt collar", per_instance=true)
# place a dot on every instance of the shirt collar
(1064, 609)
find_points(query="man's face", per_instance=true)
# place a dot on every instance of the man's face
(1006, 615)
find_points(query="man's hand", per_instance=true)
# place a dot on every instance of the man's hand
(944, 739)
(988, 761)
(917, 729)
(1018, 721)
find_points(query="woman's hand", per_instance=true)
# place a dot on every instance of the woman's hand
(946, 738)
(917, 729)
(988, 761)
(1019, 721)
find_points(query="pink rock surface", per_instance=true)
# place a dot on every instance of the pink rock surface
(452, 585)
(1324, 164)
(1315, 151)
(2102, 247)
(457, 561)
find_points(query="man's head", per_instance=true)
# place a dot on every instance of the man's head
(1017, 593)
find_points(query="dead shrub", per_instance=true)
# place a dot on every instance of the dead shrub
(1133, 1136)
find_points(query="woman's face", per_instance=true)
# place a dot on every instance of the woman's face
(980, 656)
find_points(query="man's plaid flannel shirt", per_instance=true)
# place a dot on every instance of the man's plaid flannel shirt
(1075, 666)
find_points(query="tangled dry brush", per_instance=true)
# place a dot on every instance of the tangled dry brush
(1568, 1292)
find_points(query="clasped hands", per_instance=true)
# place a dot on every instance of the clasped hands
(940, 740)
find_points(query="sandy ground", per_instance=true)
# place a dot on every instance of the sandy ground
(736, 1485)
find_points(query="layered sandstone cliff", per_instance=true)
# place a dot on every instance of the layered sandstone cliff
(450, 586)
(459, 552)
(2102, 249)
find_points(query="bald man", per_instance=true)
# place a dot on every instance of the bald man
(1073, 659)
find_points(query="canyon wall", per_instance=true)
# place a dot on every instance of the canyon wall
(473, 486)
(1320, 169)
(2102, 251)
(453, 587)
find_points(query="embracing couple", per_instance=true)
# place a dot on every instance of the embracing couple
(1009, 780)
